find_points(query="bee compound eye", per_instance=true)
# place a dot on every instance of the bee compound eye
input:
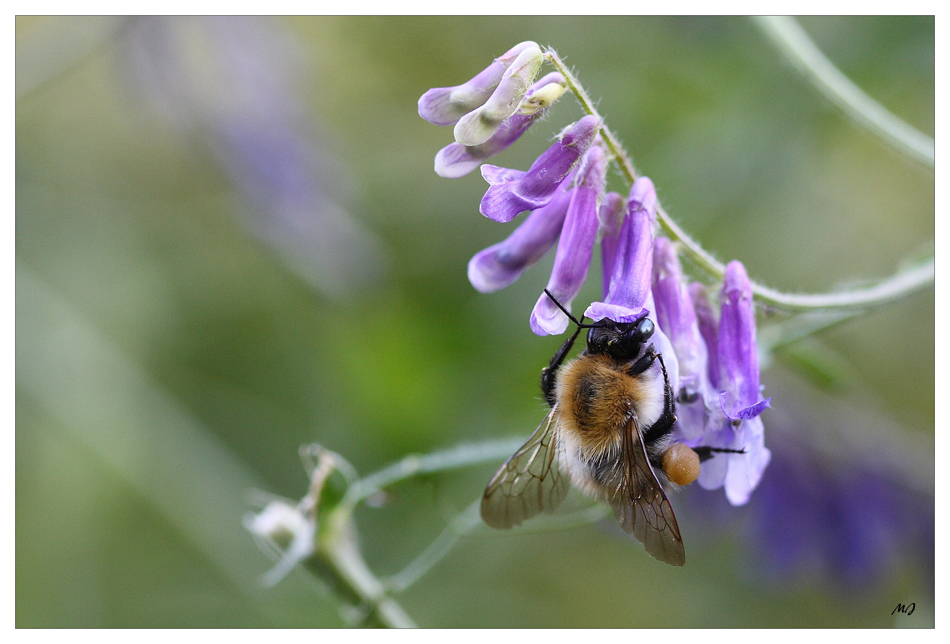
(645, 328)
(680, 464)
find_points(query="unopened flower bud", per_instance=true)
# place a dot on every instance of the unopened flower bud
(480, 124)
(456, 160)
(446, 105)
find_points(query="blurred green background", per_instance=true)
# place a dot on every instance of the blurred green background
(171, 356)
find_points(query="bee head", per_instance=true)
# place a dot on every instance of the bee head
(619, 341)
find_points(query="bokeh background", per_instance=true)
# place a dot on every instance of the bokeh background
(230, 242)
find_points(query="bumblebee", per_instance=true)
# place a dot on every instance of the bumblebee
(608, 432)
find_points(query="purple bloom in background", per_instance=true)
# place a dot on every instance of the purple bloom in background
(676, 316)
(446, 105)
(514, 191)
(231, 82)
(574, 250)
(851, 511)
(500, 265)
(480, 124)
(456, 160)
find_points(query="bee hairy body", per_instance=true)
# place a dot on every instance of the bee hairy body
(598, 397)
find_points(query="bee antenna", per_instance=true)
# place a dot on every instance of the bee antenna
(568, 313)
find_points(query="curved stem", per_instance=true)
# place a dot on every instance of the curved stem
(413, 465)
(458, 527)
(898, 285)
(790, 39)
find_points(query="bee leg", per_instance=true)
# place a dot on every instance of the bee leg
(549, 373)
(645, 362)
(706, 453)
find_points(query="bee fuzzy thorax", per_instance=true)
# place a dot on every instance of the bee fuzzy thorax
(596, 396)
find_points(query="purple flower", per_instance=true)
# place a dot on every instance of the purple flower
(740, 398)
(676, 316)
(574, 250)
(631, 277)
(500, 265)
(708, 328)
(610, 216)
(480, 124)
(514, 191)
(629, 296)
(738, 353)
(456, 160)
(446, 105)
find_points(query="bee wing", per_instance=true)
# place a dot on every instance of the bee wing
(531, 481)
(640, 504)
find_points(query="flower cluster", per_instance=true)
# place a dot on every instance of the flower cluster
(711, 360)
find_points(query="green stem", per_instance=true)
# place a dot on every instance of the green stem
(902, 283)
(414, 464)
(790, 39)
(458, 527)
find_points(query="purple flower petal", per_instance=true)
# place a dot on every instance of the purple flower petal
(708, 328)
(574, 250)
(496, 175)
(739, 426)
(632, 271)
(610, 216)
(456, 160)
(738, 354)
(512, 192)
(482, 123)
(745, 470)
(746, 412)
(446, 105)
(616, 312)
(500, 265)
(675, 313)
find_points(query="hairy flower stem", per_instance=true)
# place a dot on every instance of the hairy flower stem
(902, 283)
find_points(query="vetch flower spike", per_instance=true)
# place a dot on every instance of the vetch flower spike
(500, 265)
(446, 105)
(456, 160)
(479, 125)
(739, 375)
(630, 280)
(515, 191)
(575, 247)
